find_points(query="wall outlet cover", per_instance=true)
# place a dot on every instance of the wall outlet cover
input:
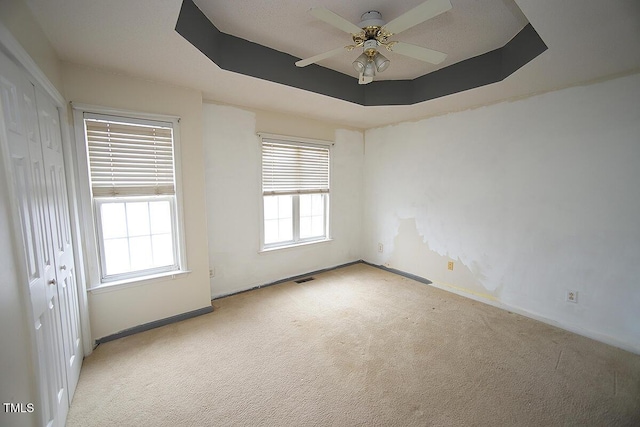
(572, 296)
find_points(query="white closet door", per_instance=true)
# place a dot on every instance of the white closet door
(33, 133)
(58, 206)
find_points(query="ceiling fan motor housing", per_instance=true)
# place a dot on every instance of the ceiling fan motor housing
(372, 18)
(372, 26)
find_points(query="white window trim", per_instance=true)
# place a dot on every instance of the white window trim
(272, 247)
(294, 245)
(140, 281)
(90, 242)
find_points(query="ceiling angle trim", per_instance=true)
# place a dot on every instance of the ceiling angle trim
(240, 56)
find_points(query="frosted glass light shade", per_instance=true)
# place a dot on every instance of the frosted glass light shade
(369, 69)
(381, 62)
(360, 63)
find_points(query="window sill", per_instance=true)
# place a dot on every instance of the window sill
(294, 245)
(138, 281)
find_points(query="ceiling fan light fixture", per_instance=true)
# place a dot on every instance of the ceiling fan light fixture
(369, 69)
(381, 62)
(360, 63)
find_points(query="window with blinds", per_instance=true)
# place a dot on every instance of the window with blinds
(131, 167)
(129, 159)
(292, 168)
(295, 190)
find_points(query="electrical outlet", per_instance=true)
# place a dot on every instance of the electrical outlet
(450, 265)
(380, 247)
(572, 296)
(212, 272)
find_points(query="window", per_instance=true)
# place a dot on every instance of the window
(295, 192)
(131, 166)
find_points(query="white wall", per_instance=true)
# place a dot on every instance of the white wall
(115, 309)
(232, 164)
(529, 198)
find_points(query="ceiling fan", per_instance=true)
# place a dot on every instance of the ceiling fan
(372, 33)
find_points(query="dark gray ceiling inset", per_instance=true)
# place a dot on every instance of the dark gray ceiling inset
(241, 56)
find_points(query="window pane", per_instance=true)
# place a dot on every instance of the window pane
(305, 227)
(312, 227)
(285, 206)
(312, 220)
(138, 218)
(305, 205)
(270, 231)
(278, 219)
(160, 216)
(270, 207)
(141, 255)
(285, 230)
(144, 231)
(162, 250)
(317, 226)
(114, 223)
(116, 256)
(317, 203)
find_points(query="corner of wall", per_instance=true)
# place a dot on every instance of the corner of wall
(21, 23)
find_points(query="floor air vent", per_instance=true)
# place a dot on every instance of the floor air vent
(306, 279)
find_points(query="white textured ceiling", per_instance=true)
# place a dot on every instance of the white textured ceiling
(587, 40)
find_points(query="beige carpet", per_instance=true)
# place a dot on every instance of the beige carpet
(358, 346)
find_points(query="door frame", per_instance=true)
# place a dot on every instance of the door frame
(15, 50)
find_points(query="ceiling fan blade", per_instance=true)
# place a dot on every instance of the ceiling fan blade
(419, 52)
(320, 57)
(417, 15)
(334, 19)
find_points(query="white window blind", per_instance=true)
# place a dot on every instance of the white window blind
(129, 158)
(294, 168)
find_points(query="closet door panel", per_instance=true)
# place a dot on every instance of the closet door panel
(20, 161)
(58, 207)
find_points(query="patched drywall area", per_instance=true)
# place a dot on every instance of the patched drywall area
(232, 156)
(529, 199)
(409, 244)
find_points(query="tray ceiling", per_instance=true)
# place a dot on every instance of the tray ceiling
(469, 29)
(586, 39)
(242, 56)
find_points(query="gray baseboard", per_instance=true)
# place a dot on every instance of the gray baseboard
(154, 324)
(400, 273)
(290, 279)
